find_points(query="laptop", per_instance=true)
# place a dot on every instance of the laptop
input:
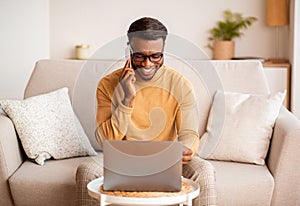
(142, 166)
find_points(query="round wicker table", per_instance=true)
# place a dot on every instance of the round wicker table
(144, 198)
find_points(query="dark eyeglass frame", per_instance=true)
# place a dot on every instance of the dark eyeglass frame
(154, 58)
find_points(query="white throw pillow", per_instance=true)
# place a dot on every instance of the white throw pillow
(48, 127)
(240, 127)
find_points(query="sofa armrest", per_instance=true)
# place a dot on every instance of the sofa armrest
(284, 161)
(10, 156)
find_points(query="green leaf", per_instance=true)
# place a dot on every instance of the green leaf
(231, 27)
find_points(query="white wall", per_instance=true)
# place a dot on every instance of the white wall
(294, 57)
(96, 22)
(24, 35)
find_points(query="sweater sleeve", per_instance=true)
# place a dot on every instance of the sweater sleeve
(187, 120)
(112, 115)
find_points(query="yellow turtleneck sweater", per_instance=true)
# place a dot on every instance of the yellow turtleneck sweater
(164, 109)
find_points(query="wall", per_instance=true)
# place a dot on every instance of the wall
(24, 35)
(25, 30)
(96, 22)
(294, 56)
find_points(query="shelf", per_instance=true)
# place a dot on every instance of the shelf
(278, 76)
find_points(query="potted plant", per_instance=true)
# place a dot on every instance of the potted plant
(225, 31)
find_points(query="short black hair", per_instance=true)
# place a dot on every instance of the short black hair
(147, 28)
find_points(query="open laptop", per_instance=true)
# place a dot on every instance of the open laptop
(142, 165)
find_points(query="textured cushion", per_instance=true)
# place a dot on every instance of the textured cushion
(48, 127)
(240, 127)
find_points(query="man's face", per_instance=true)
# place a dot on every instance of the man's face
(146, 56)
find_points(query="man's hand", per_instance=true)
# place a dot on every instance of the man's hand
(186, 155)
(127, 82)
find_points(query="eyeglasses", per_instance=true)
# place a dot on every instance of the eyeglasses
(140, 57)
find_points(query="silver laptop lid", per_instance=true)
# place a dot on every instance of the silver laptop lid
(142, 165)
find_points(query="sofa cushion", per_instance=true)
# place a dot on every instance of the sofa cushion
(240, 127)
(52, 184)
(48, 127)
(243, 184)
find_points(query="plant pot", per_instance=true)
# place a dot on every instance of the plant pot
(223, 50)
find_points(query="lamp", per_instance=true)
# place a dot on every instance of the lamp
(277, 15)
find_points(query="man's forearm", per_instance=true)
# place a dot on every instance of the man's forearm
(190, 141)
(116, 126)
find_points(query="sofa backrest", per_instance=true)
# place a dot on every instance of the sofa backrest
(207, 76)
(81, 77)
(49, 75)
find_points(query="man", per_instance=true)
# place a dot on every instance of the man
(146, 100)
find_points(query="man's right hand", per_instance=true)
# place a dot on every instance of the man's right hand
(127, 83)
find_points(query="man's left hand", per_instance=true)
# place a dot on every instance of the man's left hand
(186, 155)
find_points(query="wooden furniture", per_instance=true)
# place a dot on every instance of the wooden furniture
(143, 198)
(278, 76)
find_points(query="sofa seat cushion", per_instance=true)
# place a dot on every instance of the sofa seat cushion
(52, 184)
(243, 184)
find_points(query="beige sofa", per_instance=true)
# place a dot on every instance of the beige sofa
(23, 182)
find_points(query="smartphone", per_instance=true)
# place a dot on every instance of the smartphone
(127, 52)
(128, 56)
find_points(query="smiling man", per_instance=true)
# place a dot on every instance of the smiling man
(146, 100)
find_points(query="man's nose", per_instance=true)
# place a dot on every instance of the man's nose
(147, 63)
